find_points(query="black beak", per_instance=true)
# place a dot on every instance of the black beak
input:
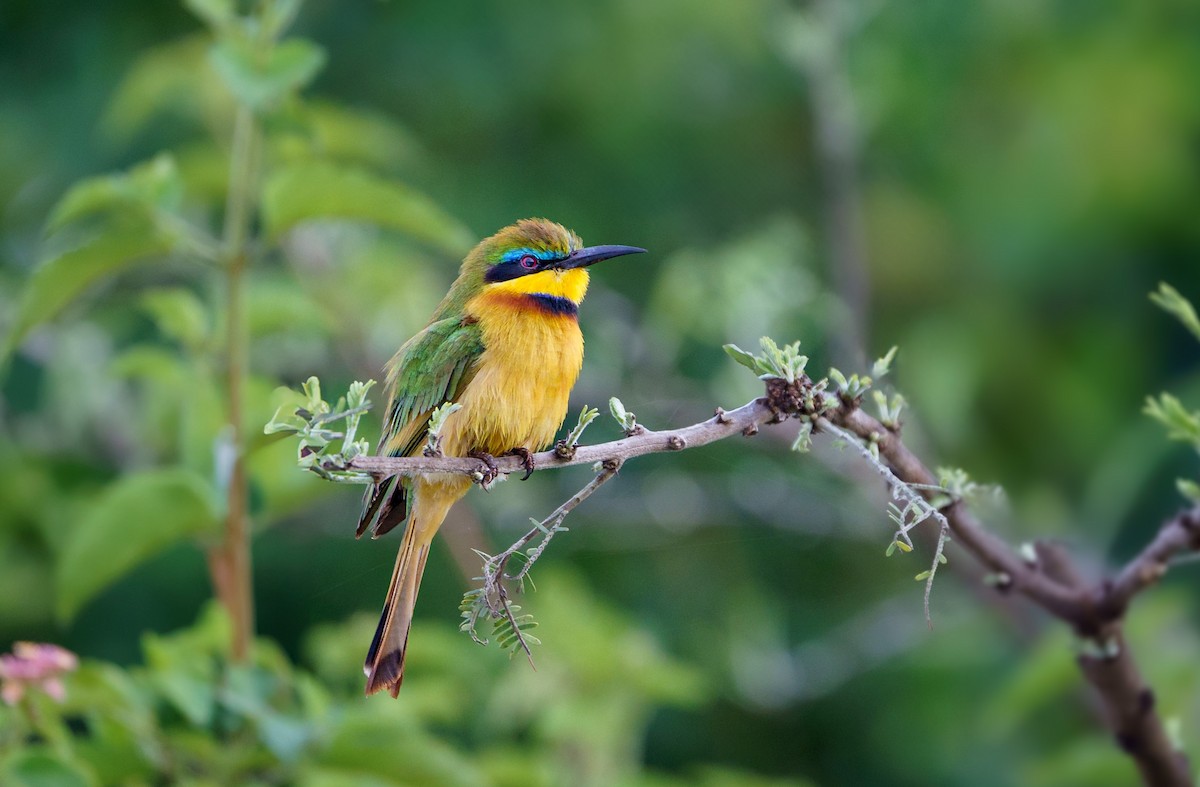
(581, 258)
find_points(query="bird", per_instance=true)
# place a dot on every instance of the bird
(504, 344)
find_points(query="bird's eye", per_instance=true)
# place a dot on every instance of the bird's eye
(529, 262)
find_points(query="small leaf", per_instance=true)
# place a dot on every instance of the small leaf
(1169, 411)
(1174, 726)
(278, 16)
(586, 416)
(741, 356)
(803, 442)
(312, 392)
(1169, 300)
(437, 419)
(618, 410)
(924, 575)
(138, 516)
(321, 190)
(57, 281)
(217, 14)
(1189, 489)
(356, 396)
(884, 365)
(283, 421)
(262, 82)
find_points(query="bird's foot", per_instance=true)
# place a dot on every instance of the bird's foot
(526, 460)
(489, 472)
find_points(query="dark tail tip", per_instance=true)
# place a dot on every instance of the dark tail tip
(388, 673)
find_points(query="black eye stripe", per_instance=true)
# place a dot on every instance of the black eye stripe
(516, 268)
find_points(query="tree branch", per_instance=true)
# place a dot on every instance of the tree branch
(744, 420)
(1012, 571)
(1054, 584)
(1048, 577)
(1179, 534)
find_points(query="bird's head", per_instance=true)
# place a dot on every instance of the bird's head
(537, 256)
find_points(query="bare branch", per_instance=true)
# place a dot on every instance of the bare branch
(727, 424)
(1179, 534)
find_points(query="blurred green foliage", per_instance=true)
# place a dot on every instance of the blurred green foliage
(1028, 173)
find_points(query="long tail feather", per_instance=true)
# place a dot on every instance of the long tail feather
(384, 665)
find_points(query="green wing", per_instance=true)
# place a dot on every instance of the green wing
(431, 368)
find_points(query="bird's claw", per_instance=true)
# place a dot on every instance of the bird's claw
(489, 472)
(526, 460)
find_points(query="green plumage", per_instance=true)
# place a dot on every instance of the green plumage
(430, 369)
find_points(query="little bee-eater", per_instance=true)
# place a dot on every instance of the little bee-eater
(505, 345)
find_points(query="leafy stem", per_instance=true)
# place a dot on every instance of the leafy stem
(491, 599)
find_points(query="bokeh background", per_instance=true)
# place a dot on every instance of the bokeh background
(993, 186)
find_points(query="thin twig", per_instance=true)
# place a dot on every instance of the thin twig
(968, 531)
(1179, 534)
(907, 492)
(494, 569)
(550, 525)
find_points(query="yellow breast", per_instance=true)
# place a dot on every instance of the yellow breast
(533, 351)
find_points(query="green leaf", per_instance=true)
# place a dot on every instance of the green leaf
(1170, 412)
(277, 16)
(1169, 300)
(617, 409)
(279, 305)
(350, 134)
(1189, 489)
(57, 281)
(437, 419)
(884, 365)
(262, 81)
(741, 356)
(179, 314)
(217, 14)
(316, 190)
(173, 79)
(43, 768)
(137, 517)
(152, 184)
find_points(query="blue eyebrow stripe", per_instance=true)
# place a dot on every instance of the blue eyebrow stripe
(512, 255)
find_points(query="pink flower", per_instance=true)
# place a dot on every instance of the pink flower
(34, 665)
